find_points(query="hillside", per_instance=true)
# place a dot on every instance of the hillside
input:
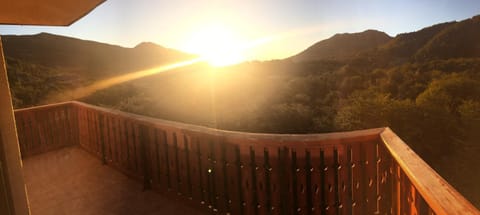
(343, 46)
(44, 65)
(460, 40)
(92, 58)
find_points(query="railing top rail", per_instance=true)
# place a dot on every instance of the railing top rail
(43, 107)
(437, 192)
(242, 137)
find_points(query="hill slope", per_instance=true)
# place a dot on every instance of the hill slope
(343, 46)
(94, 58)
(458, 40)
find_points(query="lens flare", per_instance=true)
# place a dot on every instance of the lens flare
(103, 84)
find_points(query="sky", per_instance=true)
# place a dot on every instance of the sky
(294, 25)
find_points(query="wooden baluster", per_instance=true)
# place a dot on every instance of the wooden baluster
(177, 167)
(309, 192)
(270, 180)
(397, 194)
(294, 182)
(81, 126)
(370, 161)
(32, 138)
(112, 152)
(217, 176)
(72, 124)
(196, 170)
(260, 174)
(116, 143)
(154, 157)
(283, 203)
(78, 123)
(144, 149)
(38, 126)
(98, 135)
(385, 180)
(168, 172)
(253, 178)
(403, 193)
(84, 139)
(121, 142)
(90, 131)
(66, 127)
(55, 129)
(102, 138)
(136, 149)
(107, 139)
(421, 206)
(60, 121)
(207, 150)
(330, 182)
(336, 181)
(174, 178)
(409, 198)
(181, 164)
(358, 178)
(349, 179)
(163, 180)
(48, 122)
(344, 205)
(315, 180)
(247, 184)
(204, 169)
(130, 145)
(188, 162)
(300, 172)
(232, 180)
(242, 199)
(223, 177)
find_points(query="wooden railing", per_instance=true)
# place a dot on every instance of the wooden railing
(45, 128)
(360, 172)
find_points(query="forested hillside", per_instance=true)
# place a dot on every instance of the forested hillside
(425, 85)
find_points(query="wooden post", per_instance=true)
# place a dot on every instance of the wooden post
(12, 183)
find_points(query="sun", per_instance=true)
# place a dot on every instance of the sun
(216, 44)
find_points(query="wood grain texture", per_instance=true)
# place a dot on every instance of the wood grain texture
(439, 195)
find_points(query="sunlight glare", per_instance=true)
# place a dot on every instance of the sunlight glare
(217, 44)
(106, 83)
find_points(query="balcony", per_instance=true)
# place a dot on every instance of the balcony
(116, 162)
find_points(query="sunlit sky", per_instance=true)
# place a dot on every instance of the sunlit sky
(273, 28)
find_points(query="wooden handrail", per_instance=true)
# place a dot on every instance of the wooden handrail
(361, 172)
(240, 137)
(438, 193)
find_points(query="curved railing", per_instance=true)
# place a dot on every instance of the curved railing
(360, 172)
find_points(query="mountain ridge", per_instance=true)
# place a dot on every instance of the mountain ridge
(343, 46)
(57, 51)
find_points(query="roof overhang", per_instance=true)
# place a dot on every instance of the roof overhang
(45, 12)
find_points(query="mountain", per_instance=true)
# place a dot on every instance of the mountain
(405, 45)
(437, 42)
(94, 58)
(458, 40)
(343, 46)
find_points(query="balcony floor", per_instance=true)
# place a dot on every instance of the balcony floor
(71, 181)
